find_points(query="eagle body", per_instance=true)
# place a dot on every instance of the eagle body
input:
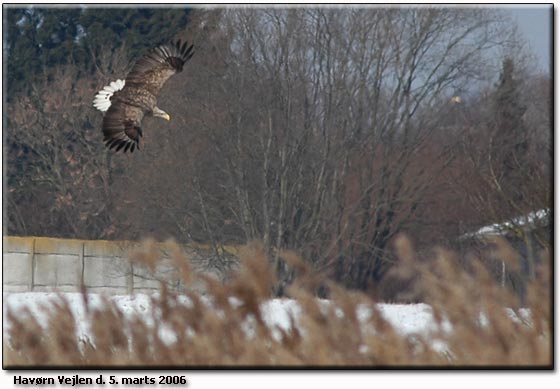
(136, 97)
(126, 102)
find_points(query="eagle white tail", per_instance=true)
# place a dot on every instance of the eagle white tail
(102, 100)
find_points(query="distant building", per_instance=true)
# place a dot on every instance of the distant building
(512, 249)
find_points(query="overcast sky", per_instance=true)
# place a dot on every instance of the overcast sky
(535, 22)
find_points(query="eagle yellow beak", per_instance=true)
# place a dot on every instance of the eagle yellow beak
(160, 113)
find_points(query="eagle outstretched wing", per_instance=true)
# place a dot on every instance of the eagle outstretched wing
(126, 102)
(154, 68)
(122, 127)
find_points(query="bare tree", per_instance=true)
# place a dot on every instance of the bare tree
(305, 127)
(59, 176)
(321, 130)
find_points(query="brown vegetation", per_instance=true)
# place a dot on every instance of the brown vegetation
(323, 336)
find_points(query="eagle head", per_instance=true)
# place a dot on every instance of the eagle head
(160, 113)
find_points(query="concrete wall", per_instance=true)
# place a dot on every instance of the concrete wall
(49, 264)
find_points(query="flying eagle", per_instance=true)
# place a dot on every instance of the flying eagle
(125, 102)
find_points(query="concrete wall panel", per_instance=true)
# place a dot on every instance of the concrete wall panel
(16, 269)
(58, 246)
(57, 269)
(53, 264)
(112, 272)
(17, 244)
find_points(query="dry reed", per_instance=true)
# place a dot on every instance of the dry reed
(471, 303)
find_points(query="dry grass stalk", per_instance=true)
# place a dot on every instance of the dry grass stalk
(233, 331)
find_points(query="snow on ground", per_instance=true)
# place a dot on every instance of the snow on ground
(411, 319)
(407, 319)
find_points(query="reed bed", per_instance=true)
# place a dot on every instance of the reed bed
(478, 323)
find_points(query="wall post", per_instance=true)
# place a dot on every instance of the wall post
(31, 285)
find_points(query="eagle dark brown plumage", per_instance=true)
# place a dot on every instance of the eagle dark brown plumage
(125, 103)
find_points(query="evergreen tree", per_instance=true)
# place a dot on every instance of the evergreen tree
(39, 40)
(140, 28)
(511, 143)
(509, 110)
